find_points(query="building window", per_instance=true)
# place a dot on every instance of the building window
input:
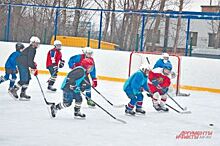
(194, 37)
(150, 36)
(212, 40)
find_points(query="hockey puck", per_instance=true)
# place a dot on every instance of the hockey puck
(211, 124)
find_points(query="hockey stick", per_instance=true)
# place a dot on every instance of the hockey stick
(48, 103)
(120, 120)
(117, 106)
(184, 109)
(147, 60)
(181, 112)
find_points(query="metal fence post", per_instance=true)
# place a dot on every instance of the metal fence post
(142, 33)
(100, 31)
(187, 37)
(56, 24)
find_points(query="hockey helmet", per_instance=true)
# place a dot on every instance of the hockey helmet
(34, 39)
(165, 56)
(88, 51)
(19, 46)
(145, 68)
(57, 44)
(88, 64)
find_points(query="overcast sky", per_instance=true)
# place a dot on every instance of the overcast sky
(195, 5)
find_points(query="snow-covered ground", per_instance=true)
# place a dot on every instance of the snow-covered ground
(27, 123)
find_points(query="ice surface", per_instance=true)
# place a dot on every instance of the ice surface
(27, 123)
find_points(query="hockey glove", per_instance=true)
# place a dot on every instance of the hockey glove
(164, 90)
(155, 82)
(173, 75)
(35, 64)
(94, 82)
(141, 89)
(61, 65)
(83, 87)
(34, 72)
(16, 71)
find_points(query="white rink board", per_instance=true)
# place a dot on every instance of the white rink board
(201, 72)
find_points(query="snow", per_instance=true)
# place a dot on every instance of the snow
(27, 123)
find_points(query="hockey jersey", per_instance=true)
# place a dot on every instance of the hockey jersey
(135, 82)
(76, 60)
(163, 81)
(74, 78)
(53, 57)
(11, 61)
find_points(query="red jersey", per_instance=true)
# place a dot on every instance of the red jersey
(163, 80)
(53, 57)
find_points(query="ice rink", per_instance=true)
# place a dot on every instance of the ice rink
(27, 123)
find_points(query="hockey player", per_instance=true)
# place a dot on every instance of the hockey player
(77, 61)
(134, 86)
(165, 59)
(72, 85)
(158, 83)
(54, 61)
(160, 63)
(24, 62)
(11, 69)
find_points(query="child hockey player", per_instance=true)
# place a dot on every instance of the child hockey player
(77, 61)
(24, 62)
(160, 63)
(158, 83)
(11, 69)
(72, 85)
(54, 61)
(134, 87)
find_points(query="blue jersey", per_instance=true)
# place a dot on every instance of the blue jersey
(135, 82)
(11, 62)
(76, 60)
(160, 63)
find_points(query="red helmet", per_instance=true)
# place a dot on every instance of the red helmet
(87, 63)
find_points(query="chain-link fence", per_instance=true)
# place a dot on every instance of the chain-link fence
(163, 31)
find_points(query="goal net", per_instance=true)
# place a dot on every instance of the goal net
(136, 59)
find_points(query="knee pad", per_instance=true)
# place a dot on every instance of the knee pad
(78, 104)
(24, 86)
(156, 96)
(78, 100)
(13, 80)
(66, 103)
(163, 98)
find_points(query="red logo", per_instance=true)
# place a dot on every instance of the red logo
(195, 135)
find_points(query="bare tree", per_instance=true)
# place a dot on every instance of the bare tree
(77, 18)
(157, 23)
(107, 20)
(113, 23)
(178, 27)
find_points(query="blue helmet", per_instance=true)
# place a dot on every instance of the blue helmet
(168, 66)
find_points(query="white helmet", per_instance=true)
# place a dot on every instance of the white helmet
(57, 42)
(165, 55)
(87, 51)
(34, 39)
(145, 67)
